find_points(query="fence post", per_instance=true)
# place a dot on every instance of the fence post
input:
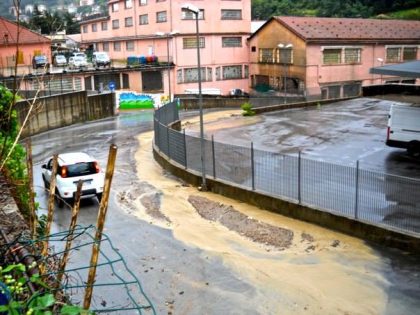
(213, 153)
(252, 166)
(299, 178)
(185, 149)
(356, 205)
(168, 143)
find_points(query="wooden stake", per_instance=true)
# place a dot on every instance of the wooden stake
(74, 215)
(100, 225)
(50, 215)
(32, 210)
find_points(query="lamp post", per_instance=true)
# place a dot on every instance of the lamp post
(196, 11)
(168, 35)
(284, 46)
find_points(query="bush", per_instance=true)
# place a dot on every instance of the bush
(247, 109)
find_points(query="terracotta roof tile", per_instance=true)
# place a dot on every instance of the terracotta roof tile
(311, 28)
(8, 34)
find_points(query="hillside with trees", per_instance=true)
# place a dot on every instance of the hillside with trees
(402, 9)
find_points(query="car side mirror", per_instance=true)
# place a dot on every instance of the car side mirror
(44, 166)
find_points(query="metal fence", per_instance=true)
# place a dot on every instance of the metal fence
(376, 198)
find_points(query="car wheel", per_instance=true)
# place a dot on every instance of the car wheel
(413, 148)
(99, 196)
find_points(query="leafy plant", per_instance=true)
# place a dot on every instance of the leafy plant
(247, 109)
(21, 301)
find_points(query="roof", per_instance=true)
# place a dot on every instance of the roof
(9, 31)
(316, 28)
(74, 157)
(407, 69)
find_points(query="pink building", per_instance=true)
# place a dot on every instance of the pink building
(162, 28)
(30, 44)
(328, 57)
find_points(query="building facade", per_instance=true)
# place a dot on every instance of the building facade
(30, 44)
(163, 29)
(328, 57)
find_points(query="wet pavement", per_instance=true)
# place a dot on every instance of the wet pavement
(191, 266)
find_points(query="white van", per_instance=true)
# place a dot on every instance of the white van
(404, 127)
(100, 58)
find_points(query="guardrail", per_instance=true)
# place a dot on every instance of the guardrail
(379, 199)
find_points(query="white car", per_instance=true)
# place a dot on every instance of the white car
(100, 58)
(73, 167)
(77, 62)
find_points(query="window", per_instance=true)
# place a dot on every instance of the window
(352, 55)
(128, 21)
(94, 27)
(188, 15)
(144, 19)
(115, 24)
(331, 56)
(341, 55)
(117, 46)
(231, 41)
(129, 45)
(85, 28)
(114, 7)
(160, 0)
(409, 53)
(399, 54)
(160, 16)
(105, 46)
(191, 42)
(104, 26)
(284, 55)
(266, 55)
(231, 72)
(128, 4)
(253, 49)
(231, 14)
(142, 2)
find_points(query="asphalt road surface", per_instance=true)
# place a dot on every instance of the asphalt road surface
(181, 278)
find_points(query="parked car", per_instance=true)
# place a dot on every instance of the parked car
(40, 61)
(77, 62)
(100, 58)
(60, 61)
(404, 128)
(73, 167)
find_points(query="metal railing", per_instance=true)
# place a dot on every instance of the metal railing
(380, 199)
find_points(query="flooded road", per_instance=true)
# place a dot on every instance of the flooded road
(191, 265)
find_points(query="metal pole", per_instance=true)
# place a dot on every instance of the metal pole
(185, 149)
(284, 84)
(200, 103)
(169, 68)
(213, 156)
(252, 166)
(100, 226)
(299, 177)
(356, 205)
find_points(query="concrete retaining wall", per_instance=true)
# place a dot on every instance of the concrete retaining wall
(345, 225)
(63, 110)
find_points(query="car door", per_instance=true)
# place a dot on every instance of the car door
(48, 170)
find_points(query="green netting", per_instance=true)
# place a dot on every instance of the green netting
(116, 288)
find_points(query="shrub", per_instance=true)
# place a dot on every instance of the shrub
(247, 109)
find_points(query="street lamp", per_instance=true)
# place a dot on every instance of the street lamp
(196, 11)
(168, 35)
(284, 46)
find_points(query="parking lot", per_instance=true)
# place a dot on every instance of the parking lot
(341, 133)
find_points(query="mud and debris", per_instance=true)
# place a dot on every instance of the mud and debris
(238, 222)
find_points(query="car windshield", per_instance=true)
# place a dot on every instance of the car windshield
(101, 56)
(60, 58)
(79, 58)
(81, 169)
(40, 58)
